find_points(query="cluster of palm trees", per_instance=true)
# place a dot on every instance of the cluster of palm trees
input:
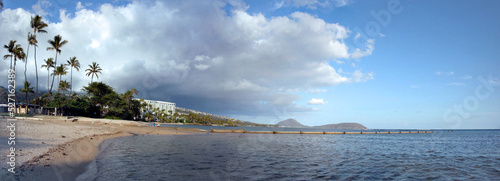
(16, 52)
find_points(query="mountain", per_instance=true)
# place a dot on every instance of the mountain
(343, 126)
(295, 124)
(291, 123)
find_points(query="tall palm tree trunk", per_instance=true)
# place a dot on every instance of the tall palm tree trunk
(14, 68)
(71, 90)
(36, 89)
(26, 63)
(48, 78)
(53, 76)
(25, 69)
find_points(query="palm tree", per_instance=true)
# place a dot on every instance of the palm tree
(38, 26)
(93, 70)
(48, 64)
(129, 95)
(27, 89)
(10, 48)
(64, 86)
(31, 41)
(73, 63)
(134, 91)
(15, 51)
(56, 45)
(18, 53)
(60, 71)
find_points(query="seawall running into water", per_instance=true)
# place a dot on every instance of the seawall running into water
(302, 132)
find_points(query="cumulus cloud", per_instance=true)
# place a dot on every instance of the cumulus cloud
(194, 53)
(314, 101)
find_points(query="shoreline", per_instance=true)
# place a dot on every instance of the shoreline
(50, 156)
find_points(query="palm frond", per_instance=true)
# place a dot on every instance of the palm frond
(7, 56)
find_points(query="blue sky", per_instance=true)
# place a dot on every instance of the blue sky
(421, 68)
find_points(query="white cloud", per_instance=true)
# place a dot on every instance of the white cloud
(314, 101)
(381, 35)
(197, 55)
(357, 36)
(456, 84)
(358, 53)
(79, 5)
(40, 6)
(414, 86)
(278, 5)
(358, 76)
(339, 62)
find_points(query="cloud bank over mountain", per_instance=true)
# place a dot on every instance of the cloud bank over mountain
(208, 55)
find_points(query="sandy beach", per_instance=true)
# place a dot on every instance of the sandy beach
(60, 148)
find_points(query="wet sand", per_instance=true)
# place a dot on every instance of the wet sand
(55, 148)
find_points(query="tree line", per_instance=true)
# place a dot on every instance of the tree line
(65, 98)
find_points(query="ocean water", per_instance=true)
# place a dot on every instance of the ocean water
(461, 155)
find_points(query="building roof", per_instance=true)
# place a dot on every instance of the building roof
(156, 101)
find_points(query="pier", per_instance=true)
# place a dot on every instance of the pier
(302, 132)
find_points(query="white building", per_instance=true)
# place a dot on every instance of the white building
(162, 105)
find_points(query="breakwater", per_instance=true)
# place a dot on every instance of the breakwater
(308, 132)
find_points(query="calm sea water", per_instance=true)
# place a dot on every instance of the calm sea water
(463, 155)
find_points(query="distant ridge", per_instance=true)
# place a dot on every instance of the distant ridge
(291, 123)
(295, 124)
